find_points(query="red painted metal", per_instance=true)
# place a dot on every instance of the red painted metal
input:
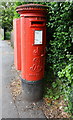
(33, 55)
(17, 43)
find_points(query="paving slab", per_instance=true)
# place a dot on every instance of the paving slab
(0, 82)
(29, 109)
(18, 108)
(9, 109)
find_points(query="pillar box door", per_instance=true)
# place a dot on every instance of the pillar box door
(33, 43)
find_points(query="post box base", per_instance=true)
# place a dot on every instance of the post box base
(32, 91)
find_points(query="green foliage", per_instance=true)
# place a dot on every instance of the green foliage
(60, 24)
(7, 13)
(66, 78)
(59, 52)
(2, 38)
(7, 35)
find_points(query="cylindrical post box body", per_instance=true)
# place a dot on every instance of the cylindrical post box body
(33, 49)
(17, 43)
(33, 43)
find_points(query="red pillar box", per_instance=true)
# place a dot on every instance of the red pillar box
(33, 42)
(17, 43)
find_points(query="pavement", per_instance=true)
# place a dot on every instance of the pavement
(18, 108)
(0, 80)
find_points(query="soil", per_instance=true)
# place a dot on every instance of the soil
(55, 109)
